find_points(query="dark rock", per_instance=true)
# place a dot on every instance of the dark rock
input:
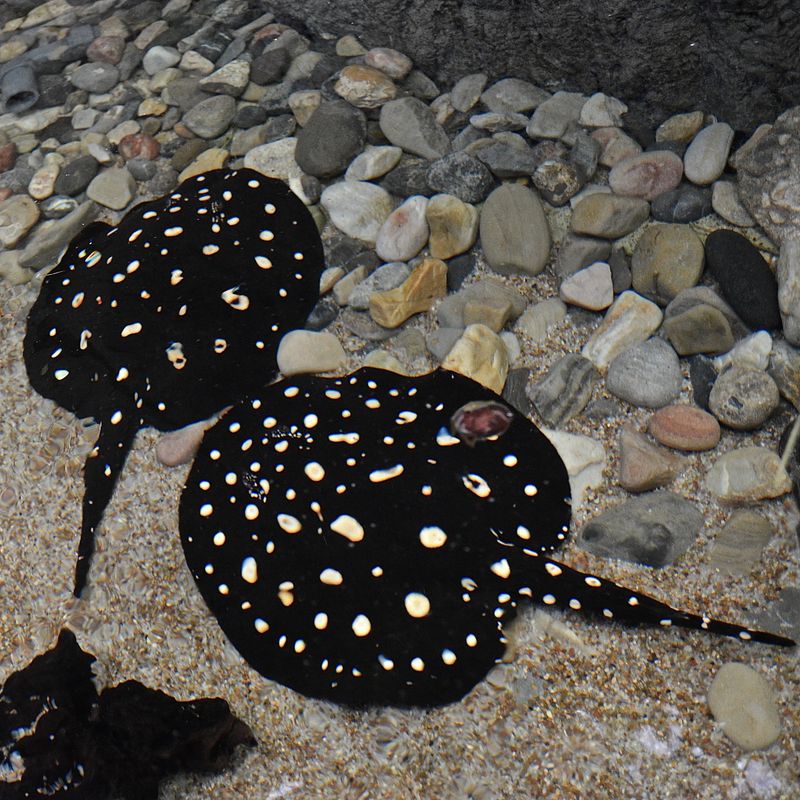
(564, 392)
(702, 375)
(76, 175)
(269, 67)
(506, 160)
(248, 116)
(686, 203)
(653, 529)
(620, 270)
(557, 181)
(745, 279)
(408, 178)
(514, 391)
(142, 169)
(584, 155)
(324, 312)
(332, 137)
(743, 56)
(53, 91)
(326, 67)
(278, 127)
(577, 252)
(213, 43)
(461, 175)
(458, 269)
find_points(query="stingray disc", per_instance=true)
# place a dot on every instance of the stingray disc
(353, 549)
(172, 314)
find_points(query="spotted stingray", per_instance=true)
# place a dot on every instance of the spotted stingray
(365, 539)
(171, 315)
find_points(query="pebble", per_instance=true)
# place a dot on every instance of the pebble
(507, 160)
(357, 208)
(788, 274)
(76, 175)
(392, 62)
(408, 177)
(230, 79)
(684, 427)
(514, 391)
(746, 475)
(364, 86)
(480, 354)
(210, 117)
(738, 546)
(453, 226)
(743, 704)
(95, 76)
(601, 111)
(642, 465)
(276, 160)
(373, 163)
(686, 203)
(745, 279)
(566, 389)
(608, 216)
(584, 458)
(384, 278)
(577, 252)
(441, 340)
(138, 145)
(310, 351)
(213, 158)
(18, 215)
(269, 67)
(48, 241)
(8, 156)
(540, 318)
(490, 122)
(553, 116)
(647, 175)
(113, 188)
(784, 368)
(752, 351)
(666, 260)
(615, 146)
(426, 283)
(460, 174)
(303, 104)
(467, 91)
(158, 58)
(332, 137)
(488, 294)
(513, 95)
(557, 181)
(180, 446)
(680, 127)
(743, 398)
(589, 288)
(515, 236)
(653, 529)
(705, 158)
(725, 202)
(404, 232)
(630, 320)
(344, 288)
(383, 359)
(410, 124)
(702, 376)
(646, 374)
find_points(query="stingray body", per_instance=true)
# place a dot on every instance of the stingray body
(354, 549)
(171, 315)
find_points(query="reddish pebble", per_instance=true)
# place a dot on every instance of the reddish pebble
(8, 156)
(269, 32)
(5, 193)
(108, 49)
(684, 428)
(140, 145)
(647, 175)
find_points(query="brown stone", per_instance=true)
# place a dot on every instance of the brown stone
(684, 428)
(426, 283)
(647, 175)
(139, 145)
(738, 546)
(644, 466)
(8, 156)
(364, 87)
(108, 49)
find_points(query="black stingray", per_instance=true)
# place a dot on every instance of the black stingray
(354, 549)
(171, 315)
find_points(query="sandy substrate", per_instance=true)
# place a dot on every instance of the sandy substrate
(584, 709)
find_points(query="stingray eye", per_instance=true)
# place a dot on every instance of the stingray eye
(480, 420)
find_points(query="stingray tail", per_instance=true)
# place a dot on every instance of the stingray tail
(555, 584)
(100, 472)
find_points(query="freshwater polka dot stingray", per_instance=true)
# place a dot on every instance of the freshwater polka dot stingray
(364, 539)
(171, 315)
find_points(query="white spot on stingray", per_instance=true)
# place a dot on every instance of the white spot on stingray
(219, 538)
(116, 418)
(404, 417)
(60, 374)
(314, 471)
(250, 570)
(269, 422)
(380, 475)
(223, 588)
(333, 394)
(531, 490)
(215, 455)
(592, 581)
(417, 664)
(386, 663)
(132, 266)
(633, 601)
(85, 336)
(449, 657)
(263, 262)
(174, 231)
(426, 490)
(239, 302)
(553, 569)
(288, 523)
(269, 208)
(331, 577)
(298, 256)
(118, 277)
(206, 510)
(77, 299)
(93, 258)
(510, 460)
(549, 599)
(417, 605)
(226, 195)
(377, 572)
(372, 402)
(253, 184)
(445, 439)
(310, 420)
(175, 277)
(233, 221)
(260, 625)
(476, 484)
(349, 527)
(501, 568)
(575, 604)
(282, 446)
(361, 625)
(286, 593)
(132, 329)
(220, 345)
(432, 536)
(266, 235)
(291, 391)
(251, 512)
(135, 235)
(346, 438)
(321, 621)
(210, 249)
(523, 532)
(665, 622)
(149, 215)
(175, 355)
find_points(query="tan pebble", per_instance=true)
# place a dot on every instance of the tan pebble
(481, 355)
(684, 428)
(417, 293)
(644, 466)
(179, 447)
